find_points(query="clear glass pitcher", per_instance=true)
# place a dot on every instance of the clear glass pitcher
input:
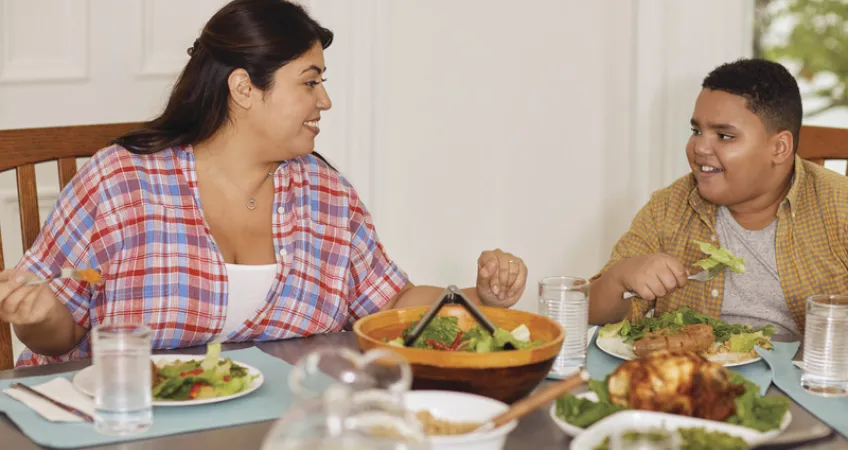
(347, 401)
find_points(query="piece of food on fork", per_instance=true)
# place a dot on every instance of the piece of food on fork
(88, 275)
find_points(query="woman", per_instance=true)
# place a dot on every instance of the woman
(217, 220)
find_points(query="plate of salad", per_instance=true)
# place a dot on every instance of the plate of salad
(187, 380)
(689, 433)
(686, 329)
(765, 417)
(443, 333)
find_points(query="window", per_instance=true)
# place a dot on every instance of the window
(810, 38)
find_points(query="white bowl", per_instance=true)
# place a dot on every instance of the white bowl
(462, 407)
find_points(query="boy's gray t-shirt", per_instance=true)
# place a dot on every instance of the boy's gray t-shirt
(755, 297)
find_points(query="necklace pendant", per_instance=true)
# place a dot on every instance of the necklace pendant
(251, 204)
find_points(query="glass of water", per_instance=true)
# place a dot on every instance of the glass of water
(566, 301)
(826, 346)
(123, 401)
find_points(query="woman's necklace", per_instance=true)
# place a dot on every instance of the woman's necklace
(251, 202)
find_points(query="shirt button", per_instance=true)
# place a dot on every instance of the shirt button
(283, 252)
(714, 293)
(280, 210)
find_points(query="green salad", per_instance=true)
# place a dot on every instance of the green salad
(192, 380)
(443, 333)
(752, 410)
(691, 438)
(719, 256)
(731, 337)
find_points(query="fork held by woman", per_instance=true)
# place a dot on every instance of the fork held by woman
(88, 275)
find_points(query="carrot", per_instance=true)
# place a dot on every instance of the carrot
(437, 345)
(90, 275)
(456, 341)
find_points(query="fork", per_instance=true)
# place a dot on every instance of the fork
(55, 402)
(76, 274)
(703, 275)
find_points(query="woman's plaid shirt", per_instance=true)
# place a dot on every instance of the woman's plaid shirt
(137, 219)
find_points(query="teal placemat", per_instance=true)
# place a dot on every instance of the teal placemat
(266, 403)
(600, 364)
(832, 411)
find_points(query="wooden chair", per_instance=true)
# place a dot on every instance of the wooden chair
(818, 144)
(21, 149)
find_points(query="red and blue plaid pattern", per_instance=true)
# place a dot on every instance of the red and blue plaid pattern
(137, 219)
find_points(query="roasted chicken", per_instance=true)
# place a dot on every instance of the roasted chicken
(683, 383)
(690, 338)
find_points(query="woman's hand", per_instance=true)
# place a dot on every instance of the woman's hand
(501, 278)
(24, 305)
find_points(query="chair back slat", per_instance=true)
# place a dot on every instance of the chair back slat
(819, 144)
(28, 204)
(6, 352)
(22, 149)
(67, 170)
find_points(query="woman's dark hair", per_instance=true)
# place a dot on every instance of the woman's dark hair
(259, 36)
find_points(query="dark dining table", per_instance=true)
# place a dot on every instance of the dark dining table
(535, 431)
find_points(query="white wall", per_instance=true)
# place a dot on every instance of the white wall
(538, 127)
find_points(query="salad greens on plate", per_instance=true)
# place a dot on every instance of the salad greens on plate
(691, 438)
(734, 338)
(194, 380)
(444, 333)
(752, 410)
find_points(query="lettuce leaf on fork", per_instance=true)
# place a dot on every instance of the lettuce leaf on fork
(719, 256)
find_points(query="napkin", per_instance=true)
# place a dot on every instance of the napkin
(59, 389)
(830, 410)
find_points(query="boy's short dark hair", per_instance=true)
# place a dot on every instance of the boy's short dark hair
(770, 90)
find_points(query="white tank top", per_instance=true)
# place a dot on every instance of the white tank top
(248, 288)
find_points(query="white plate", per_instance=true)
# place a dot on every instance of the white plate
(616, 346)
(84, 381)
(572, 430)
(642, 420)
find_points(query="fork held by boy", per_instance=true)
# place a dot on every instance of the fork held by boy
(704, 275)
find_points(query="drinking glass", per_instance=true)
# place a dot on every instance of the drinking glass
(826, 346)
(123, 403)
(566, 301)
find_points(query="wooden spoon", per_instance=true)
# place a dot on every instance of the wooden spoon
(536, 400)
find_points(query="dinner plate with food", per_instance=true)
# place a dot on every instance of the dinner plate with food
(675, 383)
(636, 427)
(687, 330)
(187, 380)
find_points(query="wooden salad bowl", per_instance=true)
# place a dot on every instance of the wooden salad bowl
(502, 375)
